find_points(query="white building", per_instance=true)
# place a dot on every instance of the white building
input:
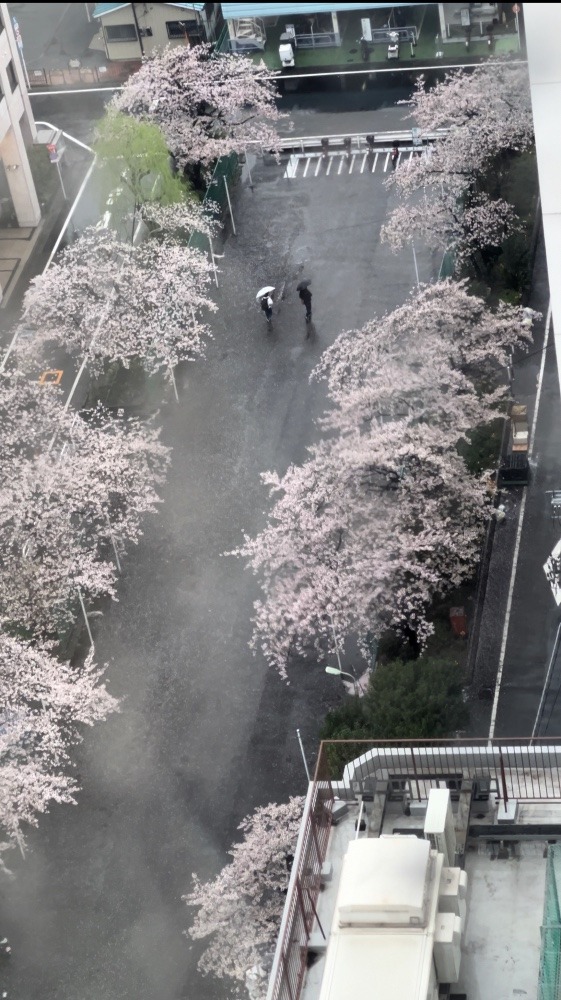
(135, 30)
(426, 872)
(542, 25)
(17, 129)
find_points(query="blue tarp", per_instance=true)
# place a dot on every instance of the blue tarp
(107, 8)
(233, 11)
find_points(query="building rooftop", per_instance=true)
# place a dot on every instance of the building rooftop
(505, 902)
(368, 915)
(237, 10)
(101, 9)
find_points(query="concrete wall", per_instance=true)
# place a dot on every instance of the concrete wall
(152, 16)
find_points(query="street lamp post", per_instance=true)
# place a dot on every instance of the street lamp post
(344, 673)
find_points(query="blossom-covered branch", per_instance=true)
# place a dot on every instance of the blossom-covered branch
(240, 909)
(44, 702)
(385, 515)
(116, 302)
(207, 105)
(62, 507)
(487, 116)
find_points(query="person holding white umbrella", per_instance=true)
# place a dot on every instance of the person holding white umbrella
(265, 298)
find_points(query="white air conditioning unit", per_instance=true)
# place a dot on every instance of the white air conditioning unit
(452, 892)
(439, 824)
(448, 947)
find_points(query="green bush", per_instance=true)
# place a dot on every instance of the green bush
(415, 699)
(483, 448)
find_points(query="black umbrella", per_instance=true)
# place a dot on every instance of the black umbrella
(303, 284)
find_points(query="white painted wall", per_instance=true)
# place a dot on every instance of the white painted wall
(543, 31)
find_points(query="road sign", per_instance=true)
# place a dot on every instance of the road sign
(17, 33)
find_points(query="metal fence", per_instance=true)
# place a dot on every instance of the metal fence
(114, 73)
(305, 882)
(215, 202)
(525, 770)
(549, 983)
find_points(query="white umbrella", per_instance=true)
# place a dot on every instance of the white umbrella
(264, 291)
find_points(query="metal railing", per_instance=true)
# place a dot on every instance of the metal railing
(525, 770)
(360, 141)
(512, 769)
(113, 73)
(300, 911)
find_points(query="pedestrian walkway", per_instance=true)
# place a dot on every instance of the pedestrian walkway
(20, 247)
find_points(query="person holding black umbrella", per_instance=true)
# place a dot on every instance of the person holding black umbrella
(306, 298)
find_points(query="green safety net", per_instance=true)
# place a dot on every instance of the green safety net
(550, 958)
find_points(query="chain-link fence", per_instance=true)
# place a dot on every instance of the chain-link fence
(549, 987)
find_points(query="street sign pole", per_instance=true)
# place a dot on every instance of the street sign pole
(63, 189)
(19, 42)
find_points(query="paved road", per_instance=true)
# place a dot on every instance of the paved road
(524, 601)
(207, 731)
(325, 111)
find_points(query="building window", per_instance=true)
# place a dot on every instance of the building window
(12, 78)
(121, 33)
(191, 30)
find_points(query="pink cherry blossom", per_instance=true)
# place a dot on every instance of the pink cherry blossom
(487, 115)
(384, 515)
(44, 705)
(240, 910)
(63, 506)
(207, 105)
(116, 302)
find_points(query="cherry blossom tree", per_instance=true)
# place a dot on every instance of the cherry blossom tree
(113, 301)
(444, 339)
(450, 192)
(181, 218)
(442, 221)
(384, 516)
(48, 552)
(486, 110)
(207, 105)
(71, 486)
(44, 704)
(364, 535)
(240, 910)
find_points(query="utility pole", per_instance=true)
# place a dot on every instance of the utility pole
(140, 42)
